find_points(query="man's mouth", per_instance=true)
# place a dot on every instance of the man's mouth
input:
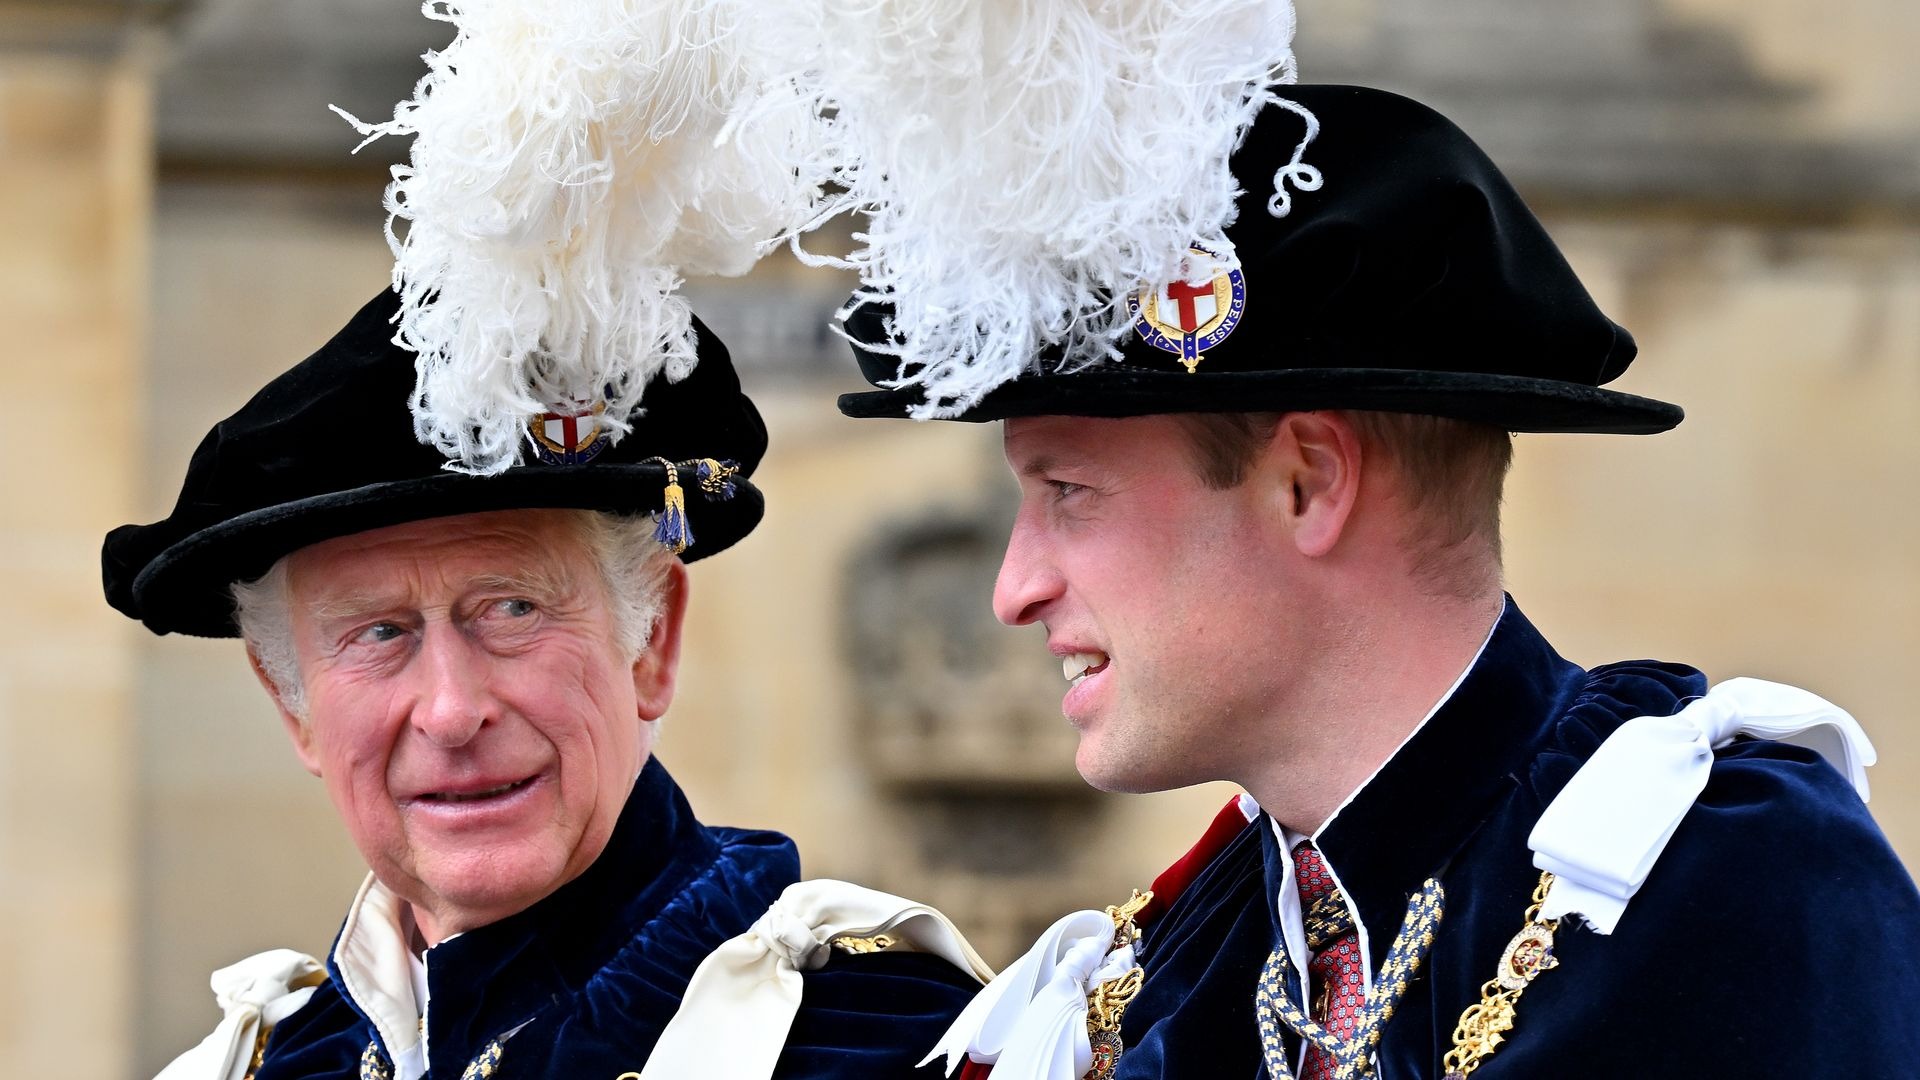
(1077, 666)
(475, 796)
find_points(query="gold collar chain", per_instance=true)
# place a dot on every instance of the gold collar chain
(1110, 999)
(1484, 1024)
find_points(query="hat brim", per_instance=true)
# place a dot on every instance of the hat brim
(1510, 402)
(186, 588)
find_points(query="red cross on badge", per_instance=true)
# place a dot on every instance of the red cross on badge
(1186, 318)
(568, 438)
(1183, 295)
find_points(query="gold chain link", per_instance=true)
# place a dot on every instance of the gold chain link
(1483, 1026)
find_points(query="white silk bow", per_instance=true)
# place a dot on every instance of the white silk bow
(740, 1004)
(1030, 1023)
(254, 995)
(1601, 835)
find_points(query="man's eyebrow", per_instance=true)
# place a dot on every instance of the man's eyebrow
(1040, 464)
(545, 584)
(540, 584)
(353, 605)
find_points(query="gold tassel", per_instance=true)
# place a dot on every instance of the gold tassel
(672, 529)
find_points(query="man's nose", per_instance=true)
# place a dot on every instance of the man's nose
(456, 700)
(1028, 579)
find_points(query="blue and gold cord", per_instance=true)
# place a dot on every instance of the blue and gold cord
(1353, 1058)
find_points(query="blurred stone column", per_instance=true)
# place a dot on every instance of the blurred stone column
(75, 154)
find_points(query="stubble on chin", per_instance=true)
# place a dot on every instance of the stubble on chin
(1125, 760)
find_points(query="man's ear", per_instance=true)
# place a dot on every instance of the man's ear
(1318, 458)
(297, 729)
(654, 669)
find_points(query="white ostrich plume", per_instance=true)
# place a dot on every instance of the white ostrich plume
(1025, 163)
(571, 160)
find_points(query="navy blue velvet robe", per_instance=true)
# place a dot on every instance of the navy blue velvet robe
(596, 970)
(1778, 935)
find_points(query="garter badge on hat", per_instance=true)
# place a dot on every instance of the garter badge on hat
(569, 438)
(1186, 319)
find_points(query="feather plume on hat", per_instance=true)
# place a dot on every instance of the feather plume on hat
(571, 160)
(1026, 162)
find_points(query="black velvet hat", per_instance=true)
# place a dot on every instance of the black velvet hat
(1413, 280)
(328, 449)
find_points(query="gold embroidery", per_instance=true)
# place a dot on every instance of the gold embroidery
(1484, 1024)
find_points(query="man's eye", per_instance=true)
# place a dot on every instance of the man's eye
(381, 631)
(516, 608)
(1064, 490)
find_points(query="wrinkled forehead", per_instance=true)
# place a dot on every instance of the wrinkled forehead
(439, 558)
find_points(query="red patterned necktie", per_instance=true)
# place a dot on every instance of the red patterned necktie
(1338, 982)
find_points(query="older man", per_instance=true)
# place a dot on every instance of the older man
(473, 666)
(1264, 541)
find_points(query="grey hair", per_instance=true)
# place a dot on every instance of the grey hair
(632, 564)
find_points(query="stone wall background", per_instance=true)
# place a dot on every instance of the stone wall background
(1738, 181)
(75, 223)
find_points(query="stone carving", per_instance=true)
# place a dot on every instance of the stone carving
(949, 698)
